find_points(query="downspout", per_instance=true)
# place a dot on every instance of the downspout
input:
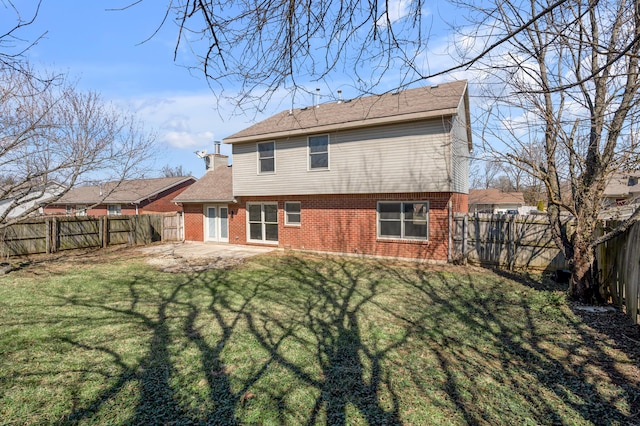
(137, 210)
(449, 253)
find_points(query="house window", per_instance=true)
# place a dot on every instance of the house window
(292, 213)
(114, 210)
(319, 152)
(407, 220)
(68, 210)
(81, 210)
(267, 157)
(262, 222)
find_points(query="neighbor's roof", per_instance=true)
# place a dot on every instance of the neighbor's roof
(408, 105)
(494, 196)
(618, 185)
(125, 192)
(215, 186)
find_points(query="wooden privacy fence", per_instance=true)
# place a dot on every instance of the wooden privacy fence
(51, 234)
(619, 264)
(512, 242)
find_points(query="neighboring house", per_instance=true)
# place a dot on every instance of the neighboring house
(128, 197)
(494, 201)
(25, 197)
(379, 175)
(622, 189)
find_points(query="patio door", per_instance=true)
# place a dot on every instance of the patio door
(217, 224)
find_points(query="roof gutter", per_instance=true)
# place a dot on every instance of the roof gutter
(344, 126)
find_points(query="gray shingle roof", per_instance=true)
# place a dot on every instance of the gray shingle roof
(125, 192)
(408, 105)
(215, 185)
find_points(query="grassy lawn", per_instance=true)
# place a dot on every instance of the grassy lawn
(298, 339)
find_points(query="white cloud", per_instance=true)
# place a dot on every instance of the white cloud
(183, 121)
(396, 10)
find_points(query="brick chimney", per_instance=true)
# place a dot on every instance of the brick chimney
(216, 160)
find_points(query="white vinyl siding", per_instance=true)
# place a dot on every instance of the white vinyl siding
(460, 152)
(406, 220)
(408, 157)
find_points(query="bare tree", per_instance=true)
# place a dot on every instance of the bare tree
(262, 47)
(168, 171)
(53, 137)
(571, 81)
(484, 173)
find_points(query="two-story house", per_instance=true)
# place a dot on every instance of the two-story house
(378, 175)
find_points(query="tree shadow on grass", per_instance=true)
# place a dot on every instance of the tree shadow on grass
(327, 313)
(560, 366)
(152, 373)
(334, 311)
(157, 401)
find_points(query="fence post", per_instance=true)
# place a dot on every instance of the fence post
(465, 229)
(55, 244)
(104, 224)
(47, 235)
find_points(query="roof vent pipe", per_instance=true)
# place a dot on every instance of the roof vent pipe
(339, 96)
(317, 97)
(216, 147)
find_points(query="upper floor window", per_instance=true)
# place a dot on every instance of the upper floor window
(319, 152)
(81, 210)
(267, 157)
(408, 220)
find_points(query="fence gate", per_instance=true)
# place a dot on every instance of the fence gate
(172, 229)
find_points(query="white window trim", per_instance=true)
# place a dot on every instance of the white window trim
(81, 210)
(319, 169)
(258, 158)
(402, 220)
(286, 216)
(248, 230)
(118, 211)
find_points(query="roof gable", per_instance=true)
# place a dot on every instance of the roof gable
(408, 105)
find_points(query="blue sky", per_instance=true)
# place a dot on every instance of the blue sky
(119, 54)
(105, 50)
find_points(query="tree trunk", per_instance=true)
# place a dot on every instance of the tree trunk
(585, 285)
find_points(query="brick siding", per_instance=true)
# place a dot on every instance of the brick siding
(193, 222)
(348, 224)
